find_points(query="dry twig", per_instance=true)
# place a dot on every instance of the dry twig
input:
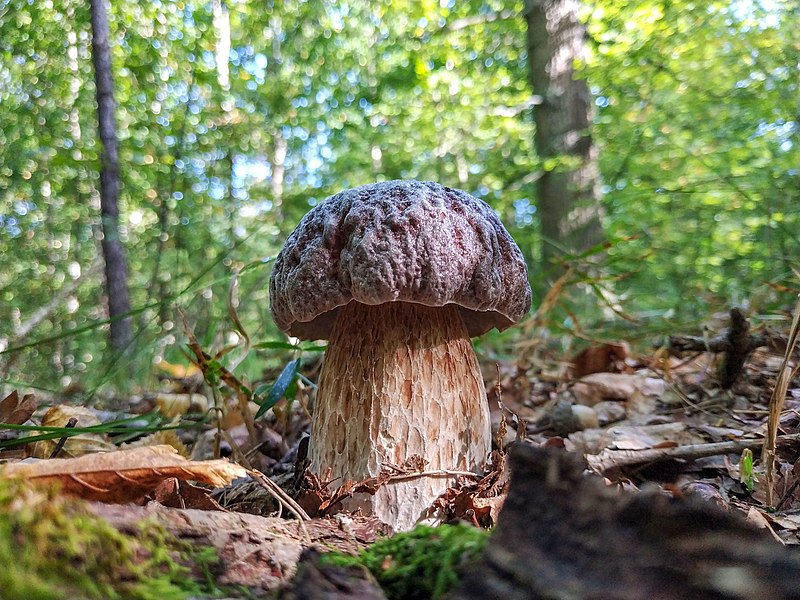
(279, 494)
(608, 459)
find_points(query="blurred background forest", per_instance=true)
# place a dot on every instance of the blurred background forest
(234, 117)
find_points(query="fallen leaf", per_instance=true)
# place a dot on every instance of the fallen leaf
(77, 445)
(123, 475)
(166, 437)
(597, 387)
(632, 437)
(175, 405)
(759, 521)
(15, 411)
(789, 521)
(177, 371)
(487, 509)
(600, 359)
(476, 501)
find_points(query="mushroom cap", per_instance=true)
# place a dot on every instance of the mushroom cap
(406, 241)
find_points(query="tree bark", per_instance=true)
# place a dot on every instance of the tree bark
(116, 266)
(569, 191)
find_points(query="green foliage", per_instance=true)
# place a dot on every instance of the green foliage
(698, 134)
(696, 124)
(52, 548)
(747, 473)
(118, 430)
(277, 390)
(421, 564)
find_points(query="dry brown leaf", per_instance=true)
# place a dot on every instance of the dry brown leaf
(175, 405)
(123, 475)
(788, 521)
(597, 387)
(759, 521)
(182, 494)
(632, 437)
(602, 358)
(487, 509)
(168, 437)
(476, 501)
(78, 445)
(15, 411)
(176, 371)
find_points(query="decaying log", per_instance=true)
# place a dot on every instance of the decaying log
(316, 581)
(565, 534)
(736, 343)
(259, 553)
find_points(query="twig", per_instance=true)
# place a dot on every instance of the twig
(372, 484)
(60, 445)
(608, 459)
(735, 343)
(238, 454)
(438, 473)
(677, 391)
(273, 488)
(279, 494)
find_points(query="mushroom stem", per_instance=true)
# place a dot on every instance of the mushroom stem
(399, 380)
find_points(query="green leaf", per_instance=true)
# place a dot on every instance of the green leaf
(278, 388)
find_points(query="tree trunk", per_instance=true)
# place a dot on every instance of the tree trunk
(569, 191)
(222, 51)
(116, 266)
(280, 148)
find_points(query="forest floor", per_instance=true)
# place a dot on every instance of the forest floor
(687, 421)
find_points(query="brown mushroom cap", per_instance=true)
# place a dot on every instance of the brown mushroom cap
(406, 241)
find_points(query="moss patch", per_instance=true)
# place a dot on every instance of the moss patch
(51, 547)
(421, 564)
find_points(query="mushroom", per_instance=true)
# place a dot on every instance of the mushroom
(398, 276)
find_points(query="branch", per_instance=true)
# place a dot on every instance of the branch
(608, 459)
(514, 111)
(41, 313)
(736, 342)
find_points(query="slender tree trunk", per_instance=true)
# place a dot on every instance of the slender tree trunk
(569, 193)
(116, 266)
(279, 149)
(222, 51)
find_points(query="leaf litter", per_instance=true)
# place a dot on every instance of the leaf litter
(641, 421)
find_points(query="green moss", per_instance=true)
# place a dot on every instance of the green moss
(420, 564)
(51, 547)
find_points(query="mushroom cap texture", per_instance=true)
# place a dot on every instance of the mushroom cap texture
(406, 241)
